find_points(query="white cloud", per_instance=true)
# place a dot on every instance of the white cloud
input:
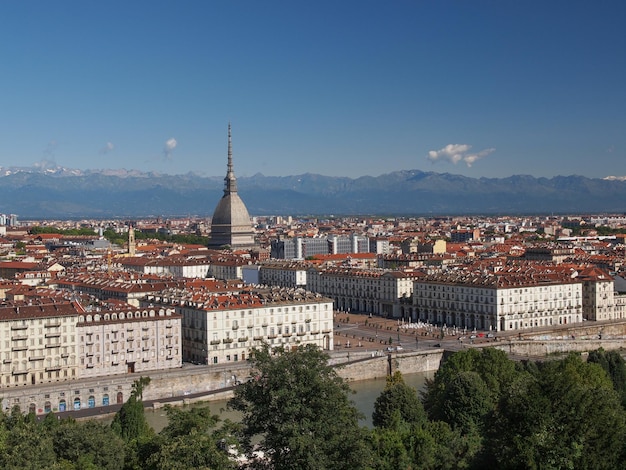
(109, 147)
(455, 153)
(170, 145)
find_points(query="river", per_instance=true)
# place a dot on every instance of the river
(365, 394)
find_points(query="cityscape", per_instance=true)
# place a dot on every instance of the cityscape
(93, 299)
(351, 235)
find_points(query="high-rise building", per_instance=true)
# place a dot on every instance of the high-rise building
(230, 225)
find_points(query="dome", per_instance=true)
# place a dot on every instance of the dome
(232, 211)
(230, 225)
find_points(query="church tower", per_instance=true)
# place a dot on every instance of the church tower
(230, 225)
(131, 241)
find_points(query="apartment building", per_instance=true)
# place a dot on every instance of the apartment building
(175, 266)
(119, 342)
(227, 267)
(374, 291)
(284, 274)
(220, 328)
(38, 343)
(513, 298)
(598, 295)
(125, 287)
(303, 247)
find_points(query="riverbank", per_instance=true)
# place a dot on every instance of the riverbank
(201, 384)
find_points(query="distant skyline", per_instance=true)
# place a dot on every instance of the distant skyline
(348, 88)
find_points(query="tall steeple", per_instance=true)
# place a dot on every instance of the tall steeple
(132, 247)
(230, 225)
(230, 181)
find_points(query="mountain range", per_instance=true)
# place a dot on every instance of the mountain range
(35, 193)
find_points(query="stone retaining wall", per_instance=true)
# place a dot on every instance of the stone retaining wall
(537, 348)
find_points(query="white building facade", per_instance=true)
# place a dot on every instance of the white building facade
(498, 302)
(223, 328)
(135, 341)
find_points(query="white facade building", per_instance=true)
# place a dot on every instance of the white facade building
(128, 341)
(375, 291)
(504, 301)
(598, 295)
(222, 328)
(284, 274)
(38, 343)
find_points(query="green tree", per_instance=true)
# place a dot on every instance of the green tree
(566, 416)
(390, 449)
(299, 410)
(192, 439)
(615, 366)
(139, 385)
(436, 446)
(24, 443)
(466, 403)
(130, 421)
(493, 367)
(397, 403)
(88, 443)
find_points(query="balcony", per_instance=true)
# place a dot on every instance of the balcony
(257, 338)
(19, 327)
(227, 340)
(214, 342)
(90, 366)
(243, 340)
(19, 338)
(20, 348)
(52, 325)
(53, 368)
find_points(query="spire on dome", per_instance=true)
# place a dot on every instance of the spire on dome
(230, 181)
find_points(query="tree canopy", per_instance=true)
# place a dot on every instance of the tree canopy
(299, 410)
(481, 410)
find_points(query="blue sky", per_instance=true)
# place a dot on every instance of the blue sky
(340, 88)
